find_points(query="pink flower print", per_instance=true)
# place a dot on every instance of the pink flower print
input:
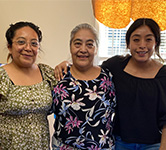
(68, 128)
(65, 147)
(72, 123)
(112, 93)
(105, 83)
(56, 101)
(61, 90)
(93, 148)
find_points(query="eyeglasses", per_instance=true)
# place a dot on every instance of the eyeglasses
(24, 43)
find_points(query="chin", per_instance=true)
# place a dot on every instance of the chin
(27, 64)
(143, 60)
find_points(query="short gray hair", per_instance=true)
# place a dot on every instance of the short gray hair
(84, 26)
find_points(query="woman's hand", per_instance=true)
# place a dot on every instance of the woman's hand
(60, 68)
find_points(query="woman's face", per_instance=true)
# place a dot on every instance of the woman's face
(25, 47)
(142, 44)
(83, 49)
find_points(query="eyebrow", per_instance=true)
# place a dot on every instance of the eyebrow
(20, 38)
(138, 35)
(89, 40)
(25, 38)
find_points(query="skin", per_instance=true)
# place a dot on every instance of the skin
(142, 46)
(163, 141)
(22, 70)
(24, 56)
(83, 49)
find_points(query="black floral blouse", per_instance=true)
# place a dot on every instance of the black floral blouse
(84, 112)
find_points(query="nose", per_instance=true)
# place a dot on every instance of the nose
(28, 46)
(83, 48)
(142, 44)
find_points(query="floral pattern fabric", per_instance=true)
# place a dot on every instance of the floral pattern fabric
(23, 112)
(84, 113)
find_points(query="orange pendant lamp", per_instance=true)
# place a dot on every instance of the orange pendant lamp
(117, 13)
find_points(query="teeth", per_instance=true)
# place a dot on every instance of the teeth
(82, 56)
(142, 52)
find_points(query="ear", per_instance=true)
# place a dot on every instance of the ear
(9, 48)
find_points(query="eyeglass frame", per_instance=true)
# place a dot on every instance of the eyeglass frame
(26, 43)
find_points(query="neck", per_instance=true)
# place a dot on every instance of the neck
(142, 65)
(23, 75)
(85, 74)
(24, 69)
(147, 69)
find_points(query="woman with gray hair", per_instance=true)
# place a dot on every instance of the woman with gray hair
(84, 100)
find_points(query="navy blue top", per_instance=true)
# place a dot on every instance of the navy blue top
(141, 103)
(84, 112)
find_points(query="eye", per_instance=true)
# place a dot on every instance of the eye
(136, 40)
(20, 42)
(89, 45)
(149, 39)
(77, 44)
(34, 43)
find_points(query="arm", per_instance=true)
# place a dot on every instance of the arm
(59, 68)
(163, 139)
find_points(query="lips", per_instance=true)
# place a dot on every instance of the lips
(142, 52)
(82, 56)
(27, 55)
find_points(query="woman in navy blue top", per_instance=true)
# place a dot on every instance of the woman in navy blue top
(84, 100)
(140, 83)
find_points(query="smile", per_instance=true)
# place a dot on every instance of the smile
(26, 55)
(142, 52)
(82, 56)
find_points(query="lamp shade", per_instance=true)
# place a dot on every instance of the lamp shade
(117, 13)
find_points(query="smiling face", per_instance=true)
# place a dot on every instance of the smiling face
(142, 44)
(24, 47)
(83, 49)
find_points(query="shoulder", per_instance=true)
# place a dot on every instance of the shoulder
(3, 74)
(116, 62)
(4, 81)
(2, 70)
(45, 68)
(162, 72)
(106, 72)
(47, 73)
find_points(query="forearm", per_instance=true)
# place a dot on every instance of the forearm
(163, 139)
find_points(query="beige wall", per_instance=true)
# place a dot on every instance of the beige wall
(56, 19)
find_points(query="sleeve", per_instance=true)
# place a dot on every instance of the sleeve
(48, 74)
(111, 63)
(4, 89)
(111, 85)
(106, 63)
(162, 103)
(4, 83)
